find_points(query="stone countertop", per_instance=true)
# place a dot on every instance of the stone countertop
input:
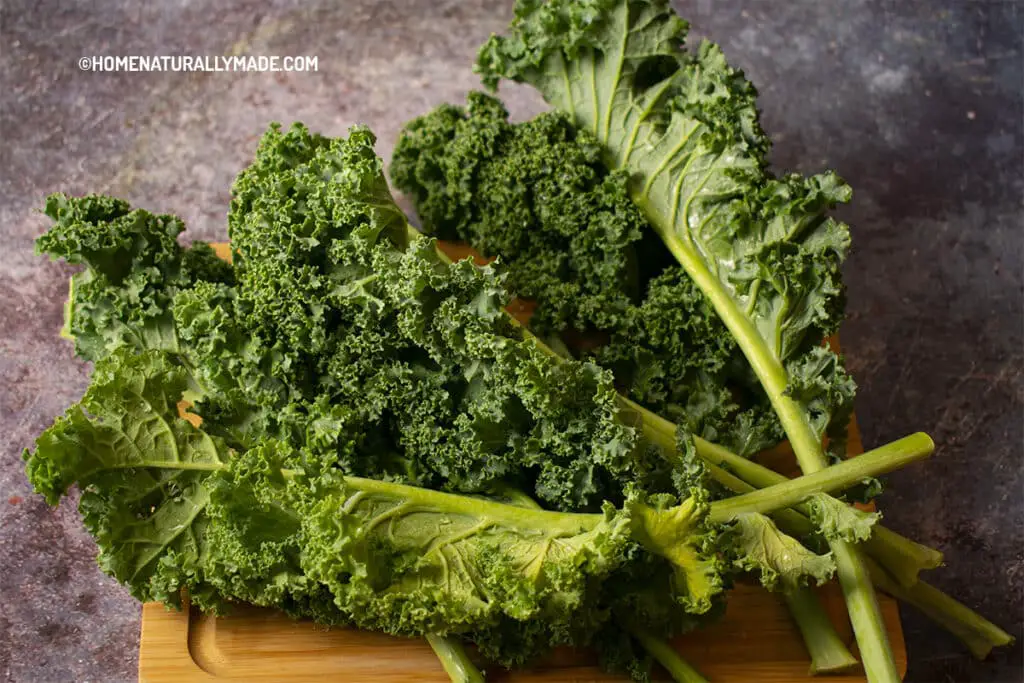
(917, 104)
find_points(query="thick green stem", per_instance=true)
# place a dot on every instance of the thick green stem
(865, 616)
(903, 558)
(836, 477)
(879, 662)
(976, 632)
(766, 366)
(828, 652)
(792, 522)
(454, 659)
(568, 522)
(681, 670)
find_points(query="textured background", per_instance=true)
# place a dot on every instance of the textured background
(917, 103)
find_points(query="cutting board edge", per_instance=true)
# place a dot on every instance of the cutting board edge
(166, 656)
(164, 652)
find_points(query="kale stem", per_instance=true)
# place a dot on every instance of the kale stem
(900, 556)
(454, 659)
(681, 670)
(828, 652)
(975, 631)
(567, 522)
(791, 521)
(865, 616)
(842, 475)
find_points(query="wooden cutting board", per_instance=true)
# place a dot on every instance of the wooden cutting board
(755, 641)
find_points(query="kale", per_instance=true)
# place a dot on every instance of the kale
(175, 508)
(568, 235)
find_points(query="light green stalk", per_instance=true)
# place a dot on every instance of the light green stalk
(454, 660)
(680, 670)
(901, 557)
(835, 478)
(976, 632)
(828, 652)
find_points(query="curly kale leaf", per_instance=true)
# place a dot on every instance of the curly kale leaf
(304, 219)
(142, 470)
(331, 331)
(174, 508)
(334, 310)
(685, 127)
(672, 354)
(134, 267)
(537, 195)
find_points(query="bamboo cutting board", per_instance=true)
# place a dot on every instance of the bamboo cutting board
(755, 641)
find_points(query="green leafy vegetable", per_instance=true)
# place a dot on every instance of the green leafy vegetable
(569, 237)
(173, 508)
(336, 326)
(685, 128)
(135, 266)
(391, 364)
(978, 633)
(782, 560)
(366, 407)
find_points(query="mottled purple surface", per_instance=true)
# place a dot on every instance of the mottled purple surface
(918, 104)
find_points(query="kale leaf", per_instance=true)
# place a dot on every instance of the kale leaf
(538, 196)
